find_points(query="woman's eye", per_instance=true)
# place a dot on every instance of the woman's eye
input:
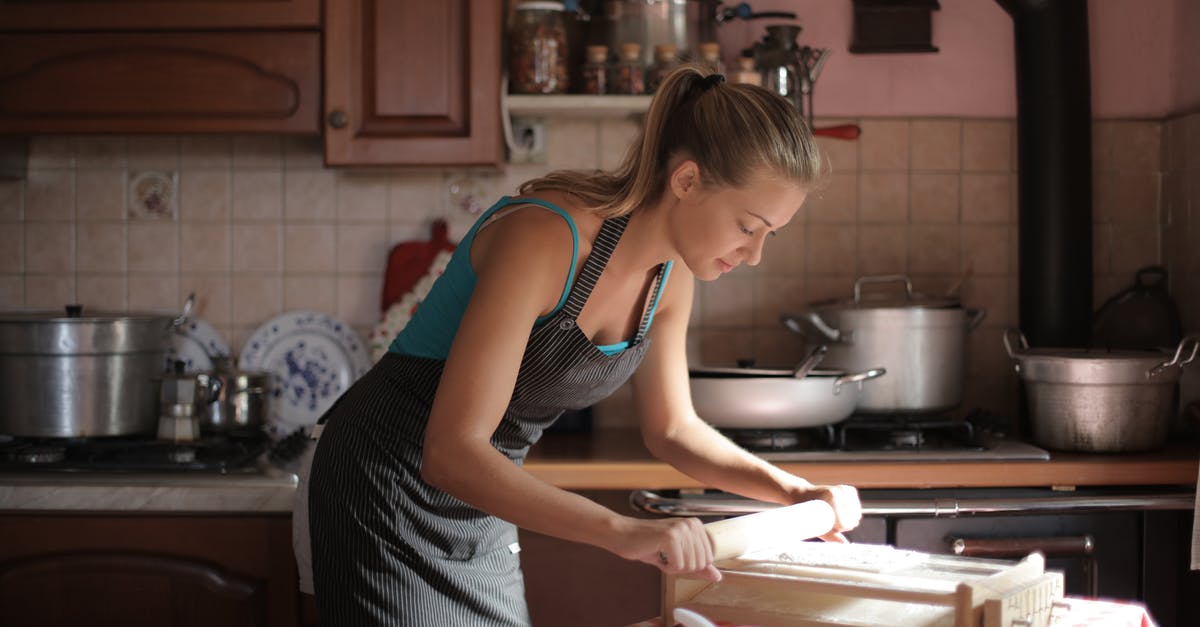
(745, 231)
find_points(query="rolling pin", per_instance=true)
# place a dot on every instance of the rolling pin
(764, 530)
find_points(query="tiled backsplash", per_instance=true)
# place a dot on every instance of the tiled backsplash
(262, 227)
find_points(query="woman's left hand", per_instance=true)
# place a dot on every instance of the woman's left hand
(847, 510)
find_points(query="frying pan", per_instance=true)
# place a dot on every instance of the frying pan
(749, 398)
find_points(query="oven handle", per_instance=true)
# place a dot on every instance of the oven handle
(647, 501)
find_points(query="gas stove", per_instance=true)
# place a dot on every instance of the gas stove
(918, 437)
(132, 454)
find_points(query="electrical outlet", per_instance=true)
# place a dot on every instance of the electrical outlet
(529, 137)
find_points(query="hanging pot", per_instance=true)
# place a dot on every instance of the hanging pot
(748, 398)
(920, 340)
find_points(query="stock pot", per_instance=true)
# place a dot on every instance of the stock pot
(1099, 400)
(82, 374)
(749, 398)
(920, 340)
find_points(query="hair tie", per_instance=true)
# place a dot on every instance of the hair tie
(712, 80)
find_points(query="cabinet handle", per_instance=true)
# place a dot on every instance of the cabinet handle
(337, 118)
(1020, 547)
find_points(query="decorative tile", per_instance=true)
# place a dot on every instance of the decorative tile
(153, 195)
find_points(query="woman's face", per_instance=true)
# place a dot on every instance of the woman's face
(718, 229)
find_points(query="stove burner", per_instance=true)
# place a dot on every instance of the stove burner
(217, 453)
(907, 438)
(947, 432)
(781, 439)
(39, 454)
(182, 455)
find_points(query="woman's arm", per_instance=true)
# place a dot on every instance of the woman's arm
(520, 275)
(674, 433)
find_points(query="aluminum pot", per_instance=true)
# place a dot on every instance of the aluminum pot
(82, 374)
(745, 398)
(920, 340)
(1099, 400)
(242, 405)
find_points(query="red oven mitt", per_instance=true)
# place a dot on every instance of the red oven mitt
(409, 261)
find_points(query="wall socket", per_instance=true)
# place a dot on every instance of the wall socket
(529, 141)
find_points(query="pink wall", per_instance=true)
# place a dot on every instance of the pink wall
(1141, 58)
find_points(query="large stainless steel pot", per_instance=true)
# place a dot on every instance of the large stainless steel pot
(920, 340)
(745, 398)
(1099, 400)
(81, 374)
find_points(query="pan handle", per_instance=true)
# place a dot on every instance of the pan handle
(857, 377)
(976, 318)
(1021, 341)
(796, 324)
(1178, 359)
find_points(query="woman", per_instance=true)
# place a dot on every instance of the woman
(550, 303)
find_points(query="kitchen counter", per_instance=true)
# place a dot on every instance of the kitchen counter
(615, 459)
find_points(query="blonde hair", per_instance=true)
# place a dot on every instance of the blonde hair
(729, 130)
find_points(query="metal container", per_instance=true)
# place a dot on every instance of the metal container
(76, 375)
(241, 406)
(1096, 400)
(744, 398)
(920, 340)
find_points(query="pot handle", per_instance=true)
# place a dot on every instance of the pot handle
(857, 377)
(976, 318)
(884, 278)
(1178, 359)
(1023, 343)
(796, 324)
(187, 310)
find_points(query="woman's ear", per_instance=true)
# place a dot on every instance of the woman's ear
(685, 178)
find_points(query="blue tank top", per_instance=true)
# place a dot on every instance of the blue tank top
(435, 322)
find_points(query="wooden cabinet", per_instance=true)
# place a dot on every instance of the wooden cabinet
(93, 15)
(412, 82)
(152, 570)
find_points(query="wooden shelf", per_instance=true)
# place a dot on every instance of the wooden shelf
(575, 105)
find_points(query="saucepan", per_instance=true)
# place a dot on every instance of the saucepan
(754, 398)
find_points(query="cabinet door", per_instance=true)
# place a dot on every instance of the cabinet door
(412, 82)
(50, 15)
(263, 82)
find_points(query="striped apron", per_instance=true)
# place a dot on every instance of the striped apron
(390, 549)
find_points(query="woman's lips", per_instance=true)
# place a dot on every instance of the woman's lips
(725, 267)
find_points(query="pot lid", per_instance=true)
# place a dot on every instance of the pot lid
(890, 299)
(75, 314)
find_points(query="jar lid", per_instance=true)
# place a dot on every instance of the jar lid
(597, 54)
(540, 6)
(630, 50)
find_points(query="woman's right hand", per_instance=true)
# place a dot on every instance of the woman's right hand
(674, 545)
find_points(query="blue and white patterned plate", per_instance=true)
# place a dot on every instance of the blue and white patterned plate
(196, 343)
(312, 359)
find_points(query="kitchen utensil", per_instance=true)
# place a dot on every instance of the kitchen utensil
(788, 68)
(840, 131)
(79, 373)
(1140, 317)
(755, 532)
(1098, 400)
(747, 398)
(197, 343)
(810, 361)
(921, 340)
(180, 396)
(242, 405)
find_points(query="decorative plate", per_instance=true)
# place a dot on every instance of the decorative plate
(312, 359)
(196, 343)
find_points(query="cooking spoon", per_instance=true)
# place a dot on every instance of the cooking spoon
(810, 361)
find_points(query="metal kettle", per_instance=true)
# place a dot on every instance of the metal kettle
(788, 68)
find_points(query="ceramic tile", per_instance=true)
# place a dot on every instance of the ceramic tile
(883, 197)
(257, 195)
(416, 198)
(12, 292)
(49, 247)
(302, 153)
(316, 293)
(1103, 145)
(936, 145)
(153, 248)
(1127, 197)
(725, 347)
(883, 249)
(988, 355)
(205, 248)
(154, 152)
(214, 300)
(834, 202)
(362, 198)
(361, 248)
(257, 248)
(993, 295)
(49, 292)
(933, 198)
(1134, 248)
(933, 249)
(11, 199)
(884, 144)
(101, 152)
(100, 195)
(51, 152)
(49, 195)
(358, 299)
(986, 198)
(256, 299)
(1191, 141)
(310, 195)
(985, 248)
(728, 302)
(1102, 248)
(573, 144)
(100, 247)
(309, 248)
(155, 293)
(101, 292)
(777, 348)
(11, 248)
(840, 155)
(204, 195)
(257, 151)
(1137, 146)
(831, 249)
(616, 136)
(206, 151)
(784, 253)
(987, 146)
(834, 287)
(776, 295)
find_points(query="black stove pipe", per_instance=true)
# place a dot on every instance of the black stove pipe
(1054, 170)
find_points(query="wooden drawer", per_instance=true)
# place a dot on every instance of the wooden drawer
(97, 15)
(253, 82)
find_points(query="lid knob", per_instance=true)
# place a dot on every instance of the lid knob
(74, 311)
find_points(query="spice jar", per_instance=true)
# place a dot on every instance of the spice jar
(629, 76)
(710, 57)
(538, 49)
(664, 63)
(595, 71)
(746, 72)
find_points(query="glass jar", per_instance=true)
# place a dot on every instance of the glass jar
(710, 57)
(664, 63)
(537, 59)
(595, 71)
(629, 77)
